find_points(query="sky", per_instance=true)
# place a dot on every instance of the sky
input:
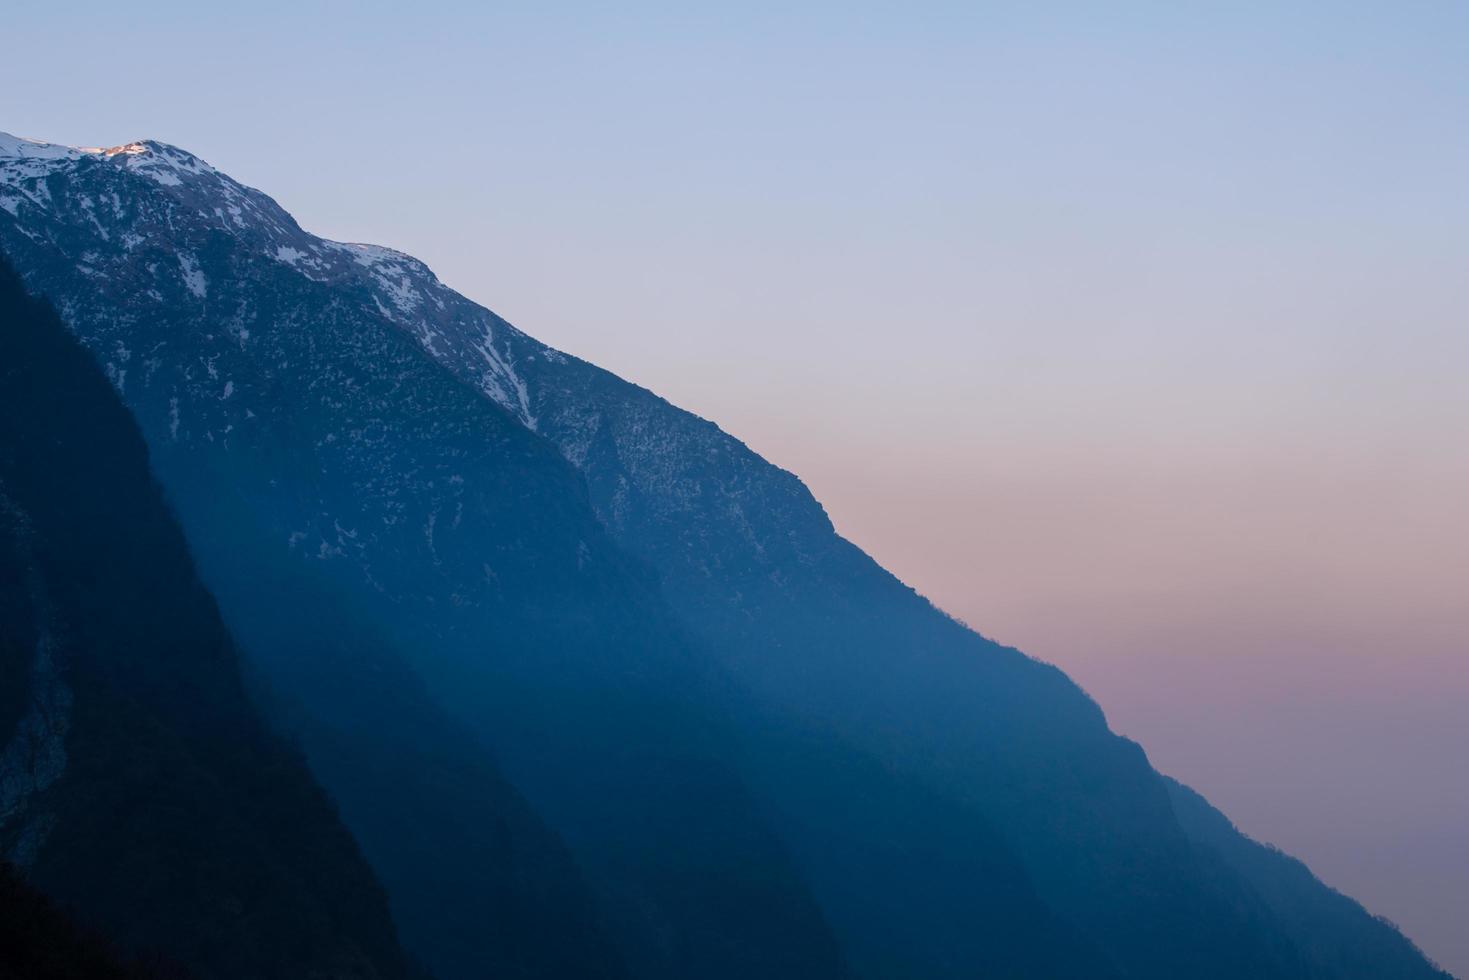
(1133, 334)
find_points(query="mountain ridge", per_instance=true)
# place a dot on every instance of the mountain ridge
(821, 658)
(449, 529)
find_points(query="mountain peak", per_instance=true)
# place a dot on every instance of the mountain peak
(163, 162)
(135, 147)
(181, 198)
(23, 147)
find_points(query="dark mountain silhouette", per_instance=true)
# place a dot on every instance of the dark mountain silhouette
(39, 941)
(762, 754)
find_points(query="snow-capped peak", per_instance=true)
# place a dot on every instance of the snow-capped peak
(21, 157)
(166, 164)
(133, 148)
(146, 193)
(22, 147)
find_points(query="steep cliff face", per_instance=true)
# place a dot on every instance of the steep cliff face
(299, 429)
(743, 728)
(138, 785)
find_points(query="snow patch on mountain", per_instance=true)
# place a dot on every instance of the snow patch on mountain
(193, 278)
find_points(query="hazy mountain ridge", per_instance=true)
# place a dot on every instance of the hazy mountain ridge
(237, 335)
(1293, 893)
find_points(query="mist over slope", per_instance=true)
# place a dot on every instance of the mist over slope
(734, 743)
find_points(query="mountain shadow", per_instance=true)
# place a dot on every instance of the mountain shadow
(40, 941)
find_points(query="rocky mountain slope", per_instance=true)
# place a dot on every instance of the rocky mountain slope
(306, 436)
(765, 755)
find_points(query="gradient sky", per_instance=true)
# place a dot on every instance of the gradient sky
(1134, 334)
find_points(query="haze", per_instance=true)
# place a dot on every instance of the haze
(1134, 337)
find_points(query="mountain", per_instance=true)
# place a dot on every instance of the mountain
(763, 754)
(308, 438)
(138, 785)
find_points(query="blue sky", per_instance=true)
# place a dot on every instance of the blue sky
(1134, 334)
